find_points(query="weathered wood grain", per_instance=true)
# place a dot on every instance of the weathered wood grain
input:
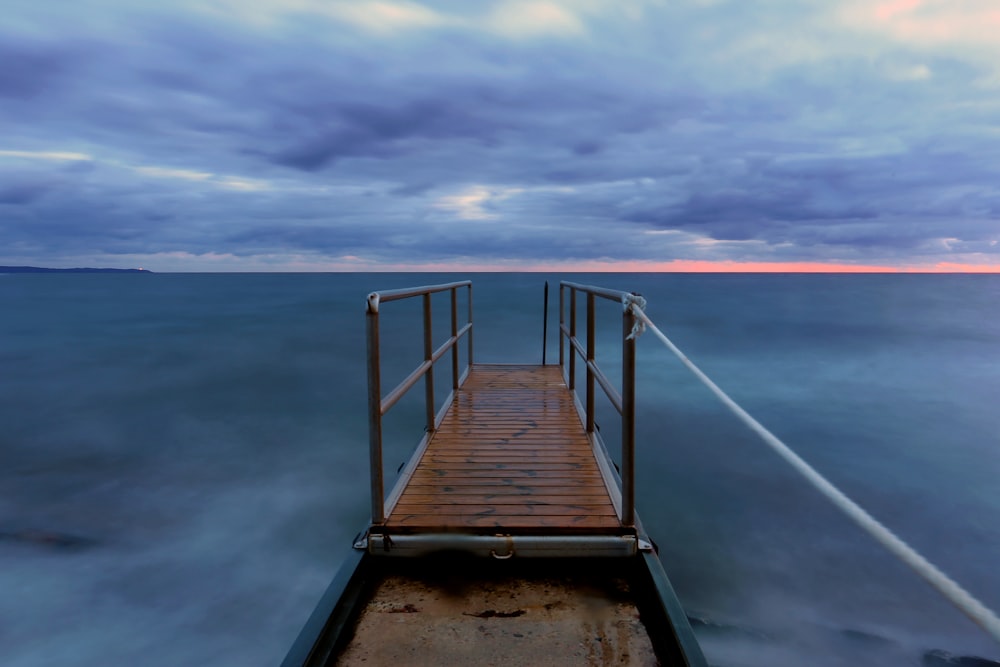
(509, 455)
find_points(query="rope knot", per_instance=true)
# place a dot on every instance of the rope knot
(634, 301)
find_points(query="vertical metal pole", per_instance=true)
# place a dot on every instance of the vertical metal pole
(470, 322)
(628, 419)
(562, 322)
(545, 320)
(374, 415)
(454, 333)
(591, 344)
(572, 337)
(428, 353)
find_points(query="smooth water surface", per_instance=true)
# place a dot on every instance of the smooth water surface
(185, 456)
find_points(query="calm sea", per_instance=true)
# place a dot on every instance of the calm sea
(183, 458)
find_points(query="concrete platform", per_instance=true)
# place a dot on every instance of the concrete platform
(481, 612)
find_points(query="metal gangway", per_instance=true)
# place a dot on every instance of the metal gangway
(511, 462)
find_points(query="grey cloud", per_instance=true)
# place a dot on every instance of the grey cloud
(587, 147)
(19, 194)
(382, 131)
(30, 68)
(650, 127)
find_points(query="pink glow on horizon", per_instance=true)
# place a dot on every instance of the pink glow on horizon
(673, 266)
(923, 22)
(888, 10)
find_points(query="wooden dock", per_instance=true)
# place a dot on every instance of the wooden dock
(511, 454)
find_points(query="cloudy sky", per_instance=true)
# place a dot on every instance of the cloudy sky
(219, 135)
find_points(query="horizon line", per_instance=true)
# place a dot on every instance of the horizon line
(358, 265)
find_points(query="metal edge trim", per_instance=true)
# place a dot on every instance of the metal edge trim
(666, 605)
(332, 619)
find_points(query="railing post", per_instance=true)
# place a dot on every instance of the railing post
(628, 418)
(591, 345)
(545, 321)
(562, 322)
(375, 413)
(428, 354)
(454, 334)
(470, 322)
(572, 337)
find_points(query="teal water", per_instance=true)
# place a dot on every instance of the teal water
(184, 457)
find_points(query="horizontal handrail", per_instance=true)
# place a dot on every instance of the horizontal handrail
(574, 341)
(603, 292)
(609, 390)
(400, 390)
(405, 293)
(602, 379)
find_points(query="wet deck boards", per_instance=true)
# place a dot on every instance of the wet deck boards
(511, 453)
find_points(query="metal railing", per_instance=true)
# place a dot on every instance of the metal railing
(623, 402)
(379, 405)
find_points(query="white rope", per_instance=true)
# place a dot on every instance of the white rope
(958, 596)
(628, 300)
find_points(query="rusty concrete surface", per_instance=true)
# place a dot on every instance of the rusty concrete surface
(475, 612)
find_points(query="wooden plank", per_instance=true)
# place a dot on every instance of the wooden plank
(516, 446)
(517, 465)
(555, 524)
(444, 491)
(527, 482)
(510, 454)
(522, 449)
(487, 499)
(498, 469)
(498, 461)
(468, 427)
(552, 442)
(495, 462)
(502, 509)
(471, 433)
(440, 473)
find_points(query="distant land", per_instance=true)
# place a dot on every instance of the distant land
(39, 269)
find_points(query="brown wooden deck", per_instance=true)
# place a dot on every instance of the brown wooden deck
(510, 454)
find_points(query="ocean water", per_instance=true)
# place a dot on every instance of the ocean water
(183, 458)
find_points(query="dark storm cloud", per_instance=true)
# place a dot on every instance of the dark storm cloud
(276, 131)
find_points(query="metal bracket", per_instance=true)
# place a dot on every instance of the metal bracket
(361, 541)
